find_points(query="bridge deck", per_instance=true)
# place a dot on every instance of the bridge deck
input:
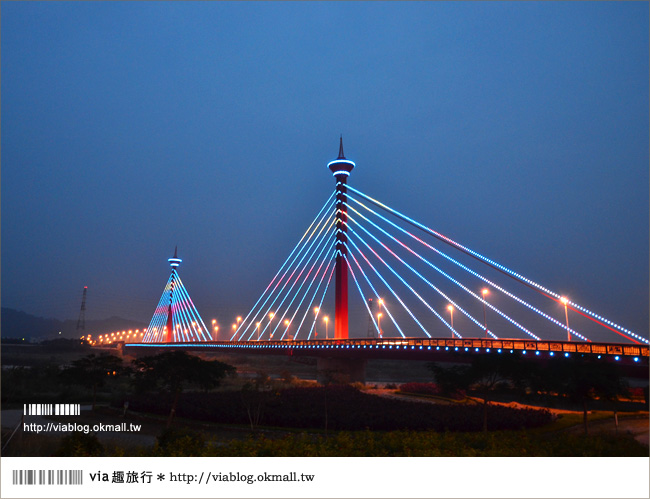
(419, 348)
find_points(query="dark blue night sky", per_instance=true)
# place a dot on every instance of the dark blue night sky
(518, 129)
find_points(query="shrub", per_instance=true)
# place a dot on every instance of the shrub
(80, 444)
(344, 408)
(172, 442)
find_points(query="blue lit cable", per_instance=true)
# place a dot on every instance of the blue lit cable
(159, 319)
(325, 247)
(324, 273)
(384, 281)
(399, 329)
(396, 273)
(192, 310)
(320, 305)
(462, 286)
(511, 295)
(150, 337)
(329, 247)
(324, 239)
(179, 314)
(320, 217)
(605, 322)
(363, 298)
(329, 223)
(442, 319)
(468, 315)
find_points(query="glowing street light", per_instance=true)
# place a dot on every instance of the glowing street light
(258, 330)
(565, 300)
(379, 324)
(271, 315)
(451, 311)
(316, 310)
(485, 292)
(326, 319)
(286, 323)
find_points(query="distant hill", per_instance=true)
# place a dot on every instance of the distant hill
(17, 324)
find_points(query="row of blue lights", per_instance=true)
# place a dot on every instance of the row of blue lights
(289, 345)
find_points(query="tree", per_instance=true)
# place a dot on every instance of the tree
(93, 371)
(485, 374)
(174, 371)
(489, 372)
(451, 379)
(254, 397)
(581, 380)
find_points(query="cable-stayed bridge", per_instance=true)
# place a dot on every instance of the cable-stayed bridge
(402, 289)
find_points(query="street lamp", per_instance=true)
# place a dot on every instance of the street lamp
(326, 319)
(271, 315)
(379, 323)
(451, 311)
(316, 310)
(234, 328)
(566, 315)
(286, 331)
(485, 292)
(258, 330)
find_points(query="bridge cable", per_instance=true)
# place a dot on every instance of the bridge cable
(311, 255)
(462, 286)
(506, 271)
(496, 286)
(329, 205)
(308, 309)
(351, 253)
(328, 224)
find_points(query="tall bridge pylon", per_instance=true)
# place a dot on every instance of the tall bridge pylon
(341, 168)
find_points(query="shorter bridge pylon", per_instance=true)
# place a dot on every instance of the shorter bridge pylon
(176, 319)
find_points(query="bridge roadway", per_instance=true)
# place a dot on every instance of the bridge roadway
(412, 348)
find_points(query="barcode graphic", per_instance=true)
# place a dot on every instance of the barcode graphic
(52, 409)
(48, 477)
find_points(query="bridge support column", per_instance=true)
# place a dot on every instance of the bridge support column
(340, 370)
(341, 168)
